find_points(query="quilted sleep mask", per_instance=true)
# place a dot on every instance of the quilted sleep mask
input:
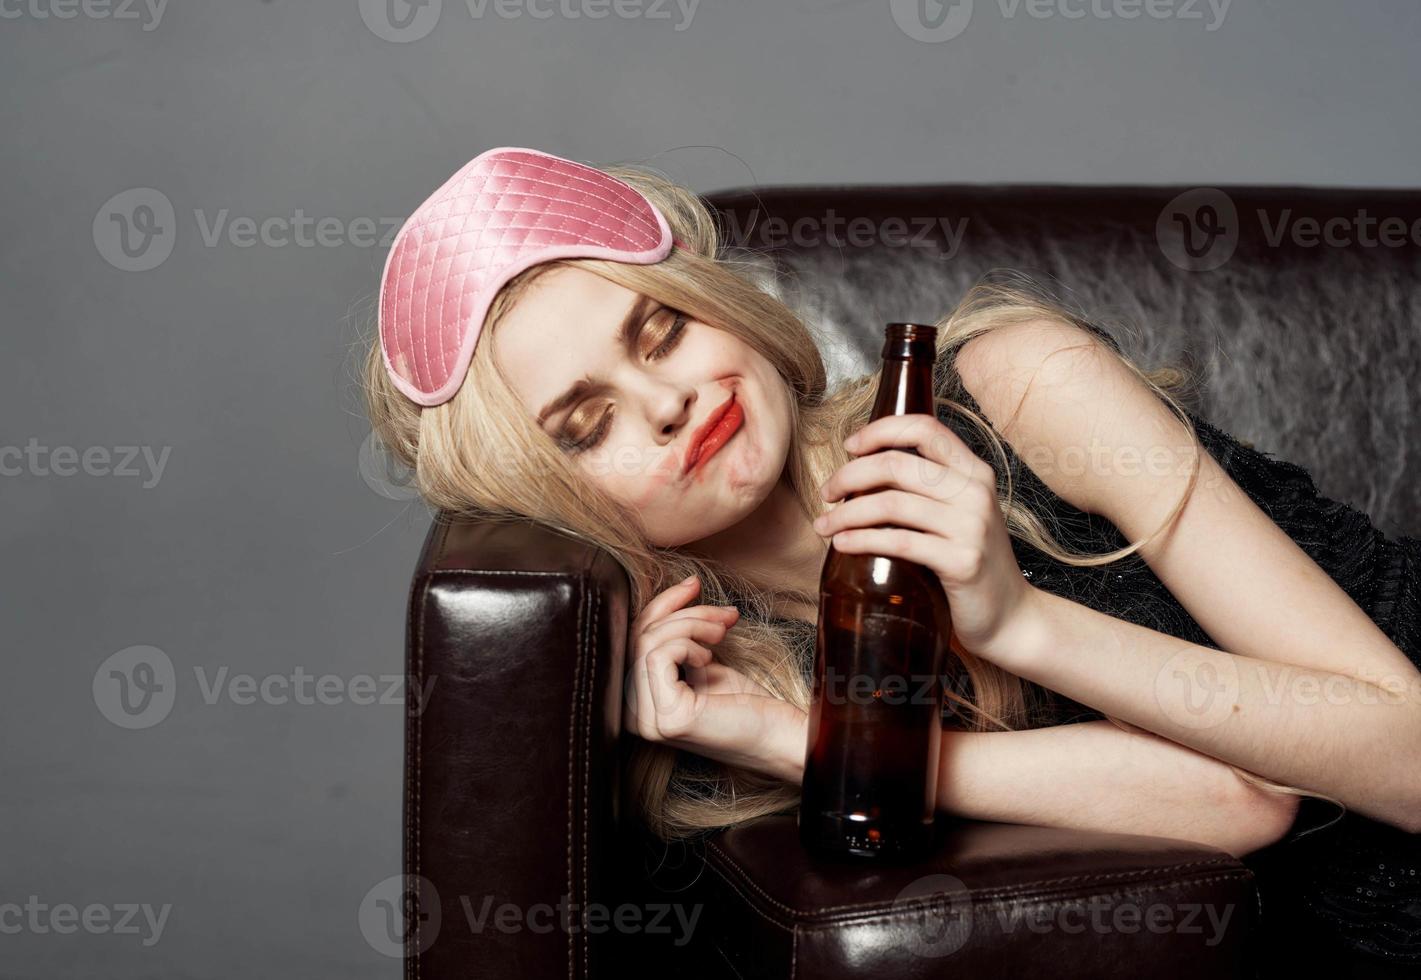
(505, 210)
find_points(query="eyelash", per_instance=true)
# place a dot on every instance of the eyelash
(673, 336)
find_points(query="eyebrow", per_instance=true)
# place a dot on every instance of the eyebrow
(583, 385)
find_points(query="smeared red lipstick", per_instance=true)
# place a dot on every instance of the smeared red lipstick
(714, 432)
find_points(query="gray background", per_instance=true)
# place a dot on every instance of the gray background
(262, 548)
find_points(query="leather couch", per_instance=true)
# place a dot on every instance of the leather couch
(514, 820)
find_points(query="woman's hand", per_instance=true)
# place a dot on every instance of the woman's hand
(943, 509)
(715, 711)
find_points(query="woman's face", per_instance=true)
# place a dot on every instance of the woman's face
(647, 402)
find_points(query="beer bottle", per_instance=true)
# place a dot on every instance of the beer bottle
(871, 765)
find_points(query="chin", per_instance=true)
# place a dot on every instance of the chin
(704, 528)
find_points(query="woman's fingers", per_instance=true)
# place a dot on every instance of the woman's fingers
(674, 635)
(899, 508)
(692, 627)
(664, 706)
(943, 466)
(711, 614)
(666, 602)
(663, 666)
(920, 431)
(667, 638)
(896, 468)
(948, 560)
(677, 694)
(957, 529)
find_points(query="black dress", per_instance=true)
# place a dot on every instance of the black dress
(1340, 893)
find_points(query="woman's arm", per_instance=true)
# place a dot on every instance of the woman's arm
(1088, 776)
(1303, 726)
(1095, 776)
(1307, 690)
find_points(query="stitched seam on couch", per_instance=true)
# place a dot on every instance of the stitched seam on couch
(991, 902)
(992, 905)
(750, 901)
(413, 963)
(583, 645)
(444, 528)
(591, 646)
(734, 868)
(419, 611)
(572, 764)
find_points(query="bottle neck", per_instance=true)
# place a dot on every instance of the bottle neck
(905, 382)
(905, 387)
(904, 345)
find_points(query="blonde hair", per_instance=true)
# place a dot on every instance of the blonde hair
(482, 455)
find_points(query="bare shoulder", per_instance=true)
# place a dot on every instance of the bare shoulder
(1065, 402)
(1012, 357)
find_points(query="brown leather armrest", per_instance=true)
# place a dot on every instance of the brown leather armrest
(994, 900)
(512, 785)
(510, 769)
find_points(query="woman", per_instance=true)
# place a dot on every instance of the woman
(1171, 633)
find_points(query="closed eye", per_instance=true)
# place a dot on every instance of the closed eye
(673, 336)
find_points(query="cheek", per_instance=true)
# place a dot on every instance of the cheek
(643, 492)
(632, 476)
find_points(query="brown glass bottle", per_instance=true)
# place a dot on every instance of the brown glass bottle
(871, 764)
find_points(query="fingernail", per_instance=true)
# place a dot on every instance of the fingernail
(688, 580)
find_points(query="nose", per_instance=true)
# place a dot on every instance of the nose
(667, 403)
(671, 411)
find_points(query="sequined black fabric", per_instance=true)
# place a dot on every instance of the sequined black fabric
(1334, 891)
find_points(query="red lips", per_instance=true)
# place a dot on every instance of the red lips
(708, 428)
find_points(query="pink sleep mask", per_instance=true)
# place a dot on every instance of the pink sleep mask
(505, 210)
